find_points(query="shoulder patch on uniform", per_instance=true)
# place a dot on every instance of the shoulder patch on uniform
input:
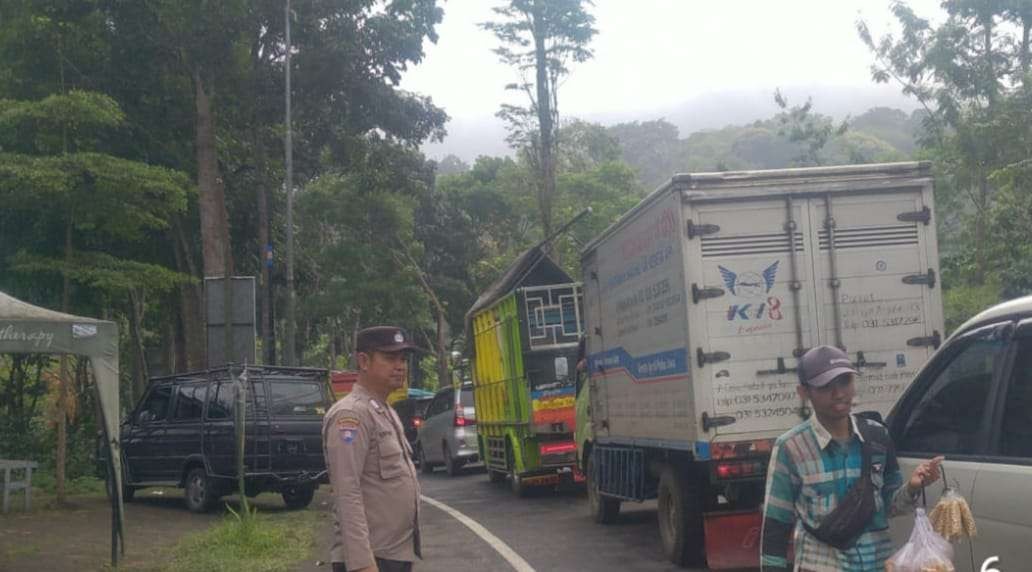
(347, 422)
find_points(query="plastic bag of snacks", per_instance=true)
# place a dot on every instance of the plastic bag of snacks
(925, 551)
(951, 517)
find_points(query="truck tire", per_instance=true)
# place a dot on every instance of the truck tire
(298, 496)
(515, 481)
(604, 510)
(679, 512)
(495, 476)
(199, 491)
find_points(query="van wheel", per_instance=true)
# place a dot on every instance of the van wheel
(604, 510)
(199, 494)
(298, 496)
(424, 466)
(452, 465)
(680, 517)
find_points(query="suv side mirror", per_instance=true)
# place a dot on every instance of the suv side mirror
(146, 416)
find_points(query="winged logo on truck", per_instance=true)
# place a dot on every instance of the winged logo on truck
(750, 284)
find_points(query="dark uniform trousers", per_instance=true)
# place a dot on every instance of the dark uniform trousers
(383, 565)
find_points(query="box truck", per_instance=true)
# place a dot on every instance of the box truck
(525, 330)
(698, 304)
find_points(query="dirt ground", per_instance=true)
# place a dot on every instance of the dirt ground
(79, 538)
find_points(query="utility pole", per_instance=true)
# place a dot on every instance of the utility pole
(288, 352)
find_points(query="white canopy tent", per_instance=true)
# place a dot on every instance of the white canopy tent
(25, 328)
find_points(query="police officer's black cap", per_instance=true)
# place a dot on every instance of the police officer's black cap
(385, 339)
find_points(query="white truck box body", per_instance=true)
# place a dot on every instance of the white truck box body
(708, 233)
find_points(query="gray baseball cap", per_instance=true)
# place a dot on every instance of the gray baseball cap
(822, 364)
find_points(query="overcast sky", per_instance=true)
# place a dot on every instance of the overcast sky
(654, 55)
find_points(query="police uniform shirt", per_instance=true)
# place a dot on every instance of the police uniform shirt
(375, 489)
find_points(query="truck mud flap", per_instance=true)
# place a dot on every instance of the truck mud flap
(733, 539)
(620, 473)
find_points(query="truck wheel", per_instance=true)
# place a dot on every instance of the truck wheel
(424, 466)
(515, 482)
(452, 465)
(680, 517)
(604, 510)
(495, 476)
(199, 493)
(298, 496)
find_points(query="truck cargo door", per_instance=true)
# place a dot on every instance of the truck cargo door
(753, 306)
(878, 291)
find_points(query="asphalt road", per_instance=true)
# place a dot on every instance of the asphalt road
(550, 530)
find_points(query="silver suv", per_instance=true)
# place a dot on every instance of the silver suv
(448, 434)
(972, 402)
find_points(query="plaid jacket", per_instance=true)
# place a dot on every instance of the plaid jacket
(809, 473)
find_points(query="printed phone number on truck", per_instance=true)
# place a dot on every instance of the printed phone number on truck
(756, 399)
(765, 413)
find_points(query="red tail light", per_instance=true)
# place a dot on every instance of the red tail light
(557, 448)
(417, 422)
(739, 469)
(462, 421)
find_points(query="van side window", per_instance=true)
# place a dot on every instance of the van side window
(948, 418)
(189, 401)
(223, 401)
(156, 406)
(1016, 431)
(293, 398)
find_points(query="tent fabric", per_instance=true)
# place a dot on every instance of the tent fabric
(25, 328)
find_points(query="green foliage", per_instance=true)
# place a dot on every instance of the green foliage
(262, 543)
(962, 302)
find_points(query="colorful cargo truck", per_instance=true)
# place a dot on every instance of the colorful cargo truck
(524, 331)
(698, 304)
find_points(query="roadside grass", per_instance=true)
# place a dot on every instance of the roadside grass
(19, 551)
(265, 542)
(44, 487)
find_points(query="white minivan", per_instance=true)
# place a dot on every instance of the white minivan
(972, 402)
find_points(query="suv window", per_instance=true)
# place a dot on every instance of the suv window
(949, 416)
(189, 401)
(1016, 431)
(156, 406)
(223, 400)
(442, 403)
(293, 398)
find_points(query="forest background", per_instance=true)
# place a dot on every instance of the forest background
(142, 148)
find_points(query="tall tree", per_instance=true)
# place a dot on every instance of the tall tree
(95, 204)
(541, 37)
(959, 71)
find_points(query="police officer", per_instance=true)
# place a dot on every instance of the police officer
(375, 491)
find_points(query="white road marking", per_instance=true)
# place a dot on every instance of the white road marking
(515, 560)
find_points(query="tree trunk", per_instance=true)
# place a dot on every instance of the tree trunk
(1026, 31)
(212, 199)
(980, 230)
(136, 310)
(61, 453)
(546, 127)
(189, 303)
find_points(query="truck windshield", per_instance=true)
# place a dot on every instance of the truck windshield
(296, 398)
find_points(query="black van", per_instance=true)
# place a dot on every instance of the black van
(182, 434)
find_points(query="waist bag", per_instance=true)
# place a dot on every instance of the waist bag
(842, 527)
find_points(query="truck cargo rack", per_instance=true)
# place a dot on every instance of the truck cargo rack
(620, 473)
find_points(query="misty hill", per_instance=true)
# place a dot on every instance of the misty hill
(470, 137)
